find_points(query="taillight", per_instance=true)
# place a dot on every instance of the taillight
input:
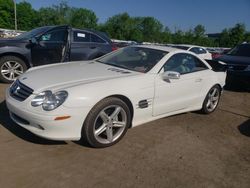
(216, 55)
(114, 47)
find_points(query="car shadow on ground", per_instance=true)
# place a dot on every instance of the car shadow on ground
(244, 128)
(83, 143)
(20, 132)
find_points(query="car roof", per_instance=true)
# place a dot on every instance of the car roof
(188, 45)
(101, 34)
(163, 48)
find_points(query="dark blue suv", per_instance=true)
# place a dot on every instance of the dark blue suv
(238, 65)
(47, 45)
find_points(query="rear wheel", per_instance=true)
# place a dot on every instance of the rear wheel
(106, 123)
(212, 100)
(10, 68)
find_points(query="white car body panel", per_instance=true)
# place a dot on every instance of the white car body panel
(89, 82)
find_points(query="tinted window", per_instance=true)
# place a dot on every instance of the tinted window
(55, 36)
(33, 33)
(96, 39)
(198, 50)
(241, 50)
(134, 58)
(80, 36)
(184, 63)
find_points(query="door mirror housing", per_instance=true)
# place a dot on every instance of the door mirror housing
(33, 40)
(168, 75)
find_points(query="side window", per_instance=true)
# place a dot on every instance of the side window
(96, 39)
(80, 36)
(55, 36)
(184, 63)
(197, 50)
(202, 51)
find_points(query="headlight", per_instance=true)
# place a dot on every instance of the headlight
(49, 100)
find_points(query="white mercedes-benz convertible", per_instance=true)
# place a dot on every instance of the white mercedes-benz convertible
(99, 100)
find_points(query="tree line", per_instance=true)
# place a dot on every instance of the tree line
(121, 26)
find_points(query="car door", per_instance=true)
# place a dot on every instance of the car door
(183, 93)
(50, 47)
(81, 47)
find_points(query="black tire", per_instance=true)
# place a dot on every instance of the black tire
(89, 126)
(205, 109)
(13, 60)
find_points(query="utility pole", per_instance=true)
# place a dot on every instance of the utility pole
(15, 14)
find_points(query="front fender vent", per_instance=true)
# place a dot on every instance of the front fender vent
(143, 104)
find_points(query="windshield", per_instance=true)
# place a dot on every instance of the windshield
(134, 58)
(240, 50)
(33, 33)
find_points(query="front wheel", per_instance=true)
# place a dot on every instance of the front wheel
(10, 68)
(106, 123)
(212, 100)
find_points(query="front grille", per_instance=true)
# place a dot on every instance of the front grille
(237, 67)
(19, 91)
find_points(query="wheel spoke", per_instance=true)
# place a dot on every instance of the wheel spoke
(12, 76)
(104, 116)
(101, 129)
(16, 65)
(8, 64)
(109, 132)
(211, 105)
(215, 98)
(118, 124)
(5, 71)
(213, 93)
(208, 103)
(116, 112)
(18, 72)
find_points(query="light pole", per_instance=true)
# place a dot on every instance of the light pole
(15, 14)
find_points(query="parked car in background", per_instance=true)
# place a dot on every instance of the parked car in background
(200, 51)
(238, 61)
(49, 44)
(217, 52)
(105, 96)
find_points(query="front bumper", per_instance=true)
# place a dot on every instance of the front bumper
(45, 125)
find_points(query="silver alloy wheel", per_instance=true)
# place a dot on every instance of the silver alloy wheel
(109, 124)
(10, 70)
(213, 99)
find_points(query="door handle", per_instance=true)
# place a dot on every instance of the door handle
(93, 47)
(198, 79)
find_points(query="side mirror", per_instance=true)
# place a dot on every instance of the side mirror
(168, 75)
(33, 40)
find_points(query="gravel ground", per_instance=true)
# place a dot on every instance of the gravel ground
(187, 150)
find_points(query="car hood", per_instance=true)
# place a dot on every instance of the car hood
(69, 74)
(229, 59)
(9, 42)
